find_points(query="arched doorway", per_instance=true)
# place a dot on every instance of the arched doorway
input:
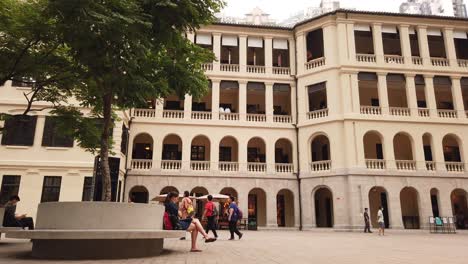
(139, 194)
(142, 147)
(459, 208)
(285, 208)
(409, 208)
(323, 207)
(283, 151)
(228, 150)
(257, 208)
(172, 149)
(402, 147)
(199, 205)
(378, 198)
(168, 189)
(435, 202)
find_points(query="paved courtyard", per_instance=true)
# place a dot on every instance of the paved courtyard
(293, 247)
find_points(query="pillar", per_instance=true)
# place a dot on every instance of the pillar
(217, 51)
(214, 154)
(418, 153)
(215, 91)
(411, 94)
(39, 131)
(378, 43)
(242, 149)
(242, 100)
(272, 221)
(301, 51)
(424, 46)
(157, 152)
(351, 42)
(269, 55)
(450, 47)
(293, 92)
(383, 94)
(159, 108)
(243, 53)
(430, 95)
(292, 55)
(186, 151)
(438, 151)
(396, 221)
(354, 87)
(330, 44)
(389, 152)
(269, 101)
(191, 36)
(342, 46)
(457, 96)
(405, 44)
(188, 107)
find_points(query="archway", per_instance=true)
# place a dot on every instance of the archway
(320, 148)
(200, 149)
(323, 207)
(257, 208)
(228, 149)
(459, 207)
(172, 148)
(142, 147)
(283, 151)
(373, 148)
(378, 198)
(409, 208)
(168, 189)
(435, 202)
(285, 208)
(199, 205)
(139, 194)
(451, 149)
(256, 150)
(402, 147)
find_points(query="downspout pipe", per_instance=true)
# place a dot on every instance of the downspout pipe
(298, 174)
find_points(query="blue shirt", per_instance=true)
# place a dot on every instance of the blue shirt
(235, 215)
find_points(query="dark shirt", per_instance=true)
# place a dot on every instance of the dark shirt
(366, 217)
(9, 219)
(171, 208)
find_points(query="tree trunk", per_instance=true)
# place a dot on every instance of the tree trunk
(105, 169)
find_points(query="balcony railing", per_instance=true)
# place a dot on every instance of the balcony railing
(440, 62)
(255, 69)
(430, 165)
(400, 111)
(423, 112)
(417, 60)
(394, 59)
(256, 167)
(207, 66)
(199, 165)
(371, 110)
(317, 114)
(447, 113)
(284, 167)
(202, 115)
(229, 67)
(463, 63)
(256, 117)
(455, 166)
(369, 58)
(173, 114)
(229, 116)
(141, 164)
(323, 165)
(407, 165)
(171, 164)
(228, 166)
(282, 119)
(375, 164)
(282, 70)
(144, 113)
(315, 63)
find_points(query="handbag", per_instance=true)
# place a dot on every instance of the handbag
(175, 222)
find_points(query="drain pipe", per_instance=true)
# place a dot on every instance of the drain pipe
(298, 174)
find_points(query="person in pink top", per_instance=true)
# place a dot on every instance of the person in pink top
(186, 206)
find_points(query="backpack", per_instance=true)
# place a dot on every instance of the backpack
(239, 214)
(167, 221)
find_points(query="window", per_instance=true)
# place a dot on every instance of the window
(87, 189)
(225, 154)
(19, 130)
(52, 137)
(171, 152)
(197, 153)
(124, 142)
(172, 105)
(51, 189)
(10, 187)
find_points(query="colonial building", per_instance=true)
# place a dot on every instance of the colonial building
(307, 126)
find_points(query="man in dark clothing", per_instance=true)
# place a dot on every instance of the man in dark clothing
(366, 221)
(233, 218)
(210, 213)
(11, 219)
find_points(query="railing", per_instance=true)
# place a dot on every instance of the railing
(417, 60)
(284, 167)
(228, 166)
(229, 67)
(423, 112)
(256, 167)
(324, 165)
(141, 164)
(315, 63)
(144, 113)
(207, 66)
(173, 114)
(394, 59)
(440, 62)
(400, 111)
(256, 117)
(201, 115)
(408, 165)
(375, 164)
(463, 63)
(317, 114)
(455, 166)
(171, 164)
(371, 110)
(200, 165)
(282, 70)
(366, 58)
(447, 113)
(229, 116)
(430, 165)
(282, 119)
(255, 69)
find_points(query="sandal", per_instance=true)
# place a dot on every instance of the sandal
(208, 240)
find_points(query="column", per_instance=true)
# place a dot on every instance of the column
(425, 207)
(389, 152)
(430, 95)
(301, 52)
(243, 155)
(411, 94)
(215, 91)
(354, 82)
(242, 100)
(405, 44)
(243, 53)
(270, 156)
(159, 108)
(450, 47)
(457, 96)
(292, 92)
(424, 45)
(330, 44)
(292, 55)
(269, 101)
(378, 42)
(419, 153)
(191, 36)
(383, 94)
(186, 151)
(214, 153)
(438, 150)
(342, 45)
(188, 107)
(351, 42)
(396, 221)
(445, 203)
(217, 51)
(269, 55)
(272, 221)
(157, 152)
(39, 131)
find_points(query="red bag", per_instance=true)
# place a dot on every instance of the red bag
(167, 222)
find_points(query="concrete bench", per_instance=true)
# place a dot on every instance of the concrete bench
(97, 230)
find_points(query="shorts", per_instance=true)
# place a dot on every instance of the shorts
(381, 224)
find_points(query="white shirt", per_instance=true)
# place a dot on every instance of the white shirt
(227, 111)
(380, 217)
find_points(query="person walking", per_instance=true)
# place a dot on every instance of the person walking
(381, 221)
(211, 215)
(186, 206)
(366, 221)
(234, 215)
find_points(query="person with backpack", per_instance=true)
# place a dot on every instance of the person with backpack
(235, 214)
(211, 214)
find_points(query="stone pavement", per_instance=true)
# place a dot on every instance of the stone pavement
(293, 247)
